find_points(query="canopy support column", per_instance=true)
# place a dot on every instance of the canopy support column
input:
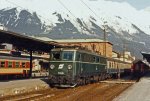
(30, 64)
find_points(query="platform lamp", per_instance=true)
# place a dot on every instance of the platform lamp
(104, 38)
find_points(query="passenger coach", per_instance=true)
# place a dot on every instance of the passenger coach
(14, 67)
(117, 67)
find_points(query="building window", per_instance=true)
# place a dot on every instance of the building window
(110, 64)
(93, 46)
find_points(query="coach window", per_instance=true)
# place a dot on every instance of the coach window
(9, 64)
(2, 64)
(17, 64)
(23, 64)
(110, 64)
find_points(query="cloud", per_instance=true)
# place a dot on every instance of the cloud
(113, 0)
(138, 4)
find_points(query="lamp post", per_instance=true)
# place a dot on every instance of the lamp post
(124, 49)
(104, 38)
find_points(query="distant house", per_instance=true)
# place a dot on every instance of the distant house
(127, 57)
(116, 55)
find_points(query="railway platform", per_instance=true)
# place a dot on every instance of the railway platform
(12, 87)
(137, 92)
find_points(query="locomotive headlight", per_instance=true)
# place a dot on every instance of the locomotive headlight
(69, 66)
(52, 66)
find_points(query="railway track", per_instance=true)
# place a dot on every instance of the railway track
(96, 92)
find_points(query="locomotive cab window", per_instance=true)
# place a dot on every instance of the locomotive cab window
(56, 56)
(2, 64)
(67, 55)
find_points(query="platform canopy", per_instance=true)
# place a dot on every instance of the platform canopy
(26, 42)
(146, 56)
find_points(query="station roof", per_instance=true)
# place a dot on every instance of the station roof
(76, 40)
(26, 42)
(79, 40)
(146, 56)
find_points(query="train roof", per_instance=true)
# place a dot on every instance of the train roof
(13, 58)
(109, 58)
(77, 49)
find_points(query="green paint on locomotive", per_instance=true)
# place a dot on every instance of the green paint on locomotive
(73, 63)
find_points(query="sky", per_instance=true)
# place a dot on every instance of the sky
(131, 10)
(138, 4)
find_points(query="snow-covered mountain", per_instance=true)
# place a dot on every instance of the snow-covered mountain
(21, 21)
(73, 19)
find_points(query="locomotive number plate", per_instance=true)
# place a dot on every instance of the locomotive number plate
(61, 73)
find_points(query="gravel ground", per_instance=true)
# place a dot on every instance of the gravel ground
(40, 87)
(21, 86)
(138, 92)
(90, 92)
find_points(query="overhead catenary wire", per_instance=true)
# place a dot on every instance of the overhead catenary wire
(103, 26)
(92, 11)
(97, 16)
(67, 9)
(123, 42)
(104, 47)
(69, 12)
(89, 8)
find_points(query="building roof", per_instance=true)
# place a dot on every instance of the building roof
(71, 40)
(26, 42)
(43, 38)
(146, 56)
(79, 40)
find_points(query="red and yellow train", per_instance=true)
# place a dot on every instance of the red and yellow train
(139, 68)
(14, 67)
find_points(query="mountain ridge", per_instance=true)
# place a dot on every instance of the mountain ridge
(120, 30)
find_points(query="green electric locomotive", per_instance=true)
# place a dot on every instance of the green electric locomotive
(72, 66)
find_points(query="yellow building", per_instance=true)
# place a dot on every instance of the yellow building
(126, 57)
